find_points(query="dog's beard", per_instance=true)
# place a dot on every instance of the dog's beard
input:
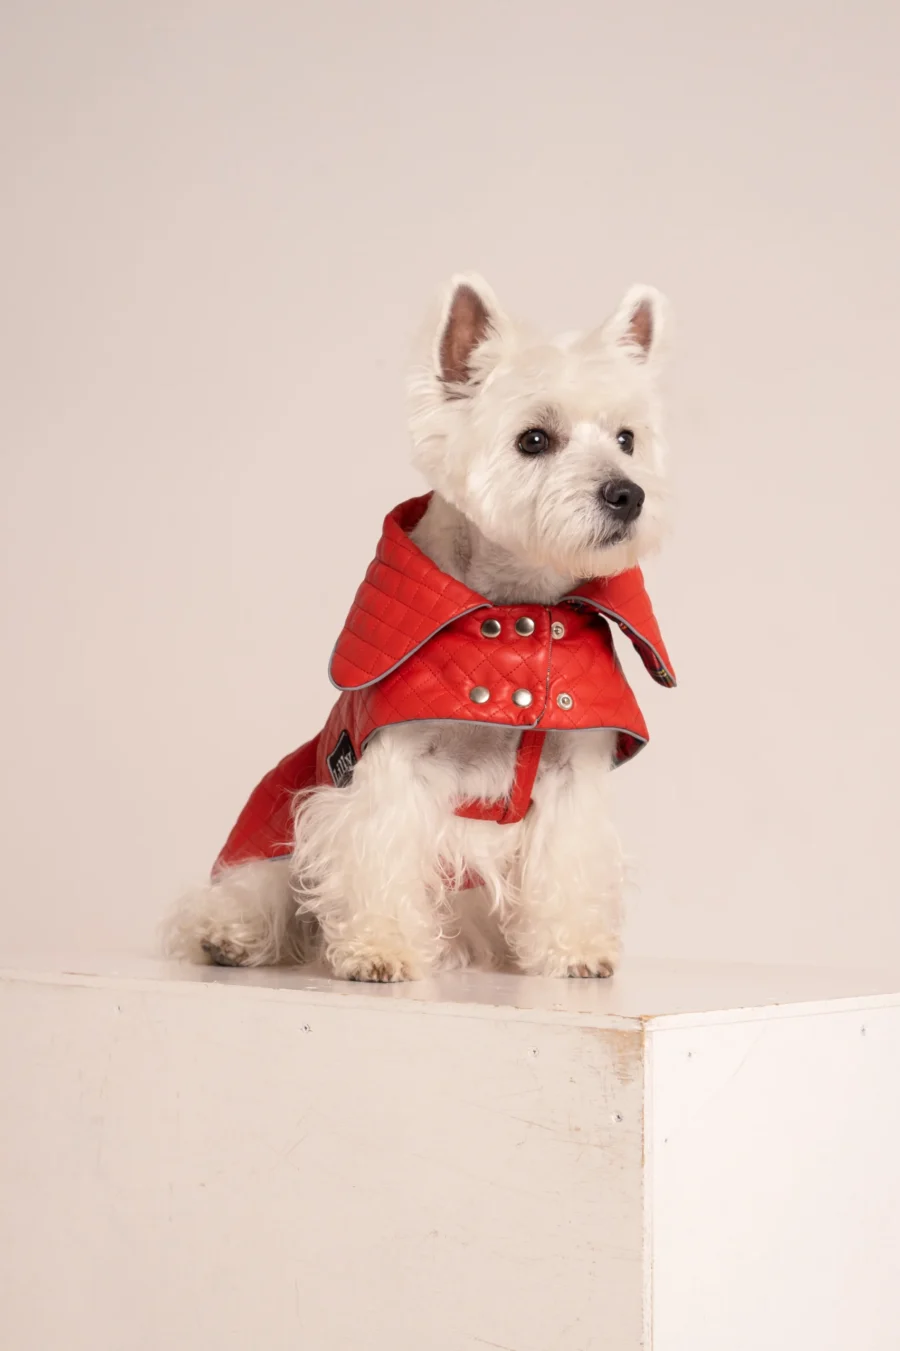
(565, 533)
(606, 546)
(586, 549)
(592, 544)
(612, 532)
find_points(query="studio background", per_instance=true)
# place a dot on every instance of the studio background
(221, 226)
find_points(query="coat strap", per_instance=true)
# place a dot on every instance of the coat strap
(507, 811)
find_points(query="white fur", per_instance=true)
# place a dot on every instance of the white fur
(374, 882)
(244, 917)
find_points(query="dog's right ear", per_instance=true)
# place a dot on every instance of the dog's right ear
(637, 324)
(470, 318)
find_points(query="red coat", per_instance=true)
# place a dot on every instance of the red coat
(418, 645)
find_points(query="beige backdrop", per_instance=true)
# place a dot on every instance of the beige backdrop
(221, 224)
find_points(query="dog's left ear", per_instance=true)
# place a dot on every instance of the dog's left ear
(470, 317)
(637, 324)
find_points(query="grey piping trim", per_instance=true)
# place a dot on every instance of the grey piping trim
(485, 605)
(617, 618)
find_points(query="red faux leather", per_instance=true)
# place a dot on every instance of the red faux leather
(413, 648)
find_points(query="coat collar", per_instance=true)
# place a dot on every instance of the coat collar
(405, 599)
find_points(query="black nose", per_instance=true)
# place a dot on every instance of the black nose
(623, 498)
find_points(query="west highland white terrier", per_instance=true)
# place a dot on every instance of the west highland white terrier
(454, 807)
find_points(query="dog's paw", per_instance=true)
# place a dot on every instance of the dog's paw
(379, 967)
(594, 968)
(382, 969)
(225, 952)
(592, 961)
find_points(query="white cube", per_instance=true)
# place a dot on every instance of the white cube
(686, 1158)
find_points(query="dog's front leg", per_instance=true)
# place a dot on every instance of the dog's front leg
(565, 912)
(367, 864)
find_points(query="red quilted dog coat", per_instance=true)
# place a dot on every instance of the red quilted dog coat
(420, 646)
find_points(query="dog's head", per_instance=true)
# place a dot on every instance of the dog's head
(552, 449)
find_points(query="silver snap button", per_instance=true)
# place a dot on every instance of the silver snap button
(491, 628)
(479, 695)
(557, 630)
(525, 628)
(565, 701)
(522, 698)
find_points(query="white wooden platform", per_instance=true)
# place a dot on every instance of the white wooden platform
(682, 1159)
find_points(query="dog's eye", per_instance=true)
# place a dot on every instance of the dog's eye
(534, 442)
(625, 439)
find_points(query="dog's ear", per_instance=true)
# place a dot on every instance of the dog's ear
(470, 317)
(637, 324)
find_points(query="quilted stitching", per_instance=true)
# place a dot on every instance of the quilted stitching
(406, 605)
(437, 684)
(264, 828)
(624, 599)
(405, 600)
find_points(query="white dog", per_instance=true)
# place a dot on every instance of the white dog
(546, 463)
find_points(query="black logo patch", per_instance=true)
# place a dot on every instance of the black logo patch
(341, 761)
